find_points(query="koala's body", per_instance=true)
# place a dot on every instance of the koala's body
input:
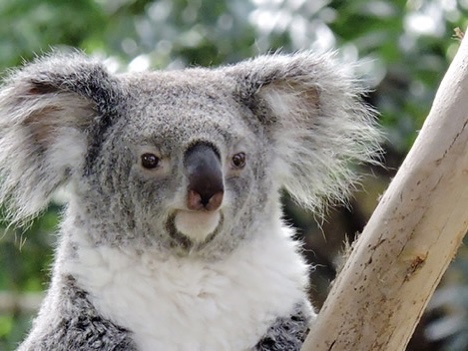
(172, 238)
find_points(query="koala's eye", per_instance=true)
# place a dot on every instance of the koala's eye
(149, 161)
(238, 160)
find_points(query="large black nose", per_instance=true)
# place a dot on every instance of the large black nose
(205, 178)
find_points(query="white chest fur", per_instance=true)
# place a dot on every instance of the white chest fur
(182, 304)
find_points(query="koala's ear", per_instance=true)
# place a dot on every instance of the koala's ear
(312, 110)
(47, 109)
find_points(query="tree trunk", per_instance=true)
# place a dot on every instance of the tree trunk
(414, 233)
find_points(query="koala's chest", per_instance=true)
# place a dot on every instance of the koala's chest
(185, 305)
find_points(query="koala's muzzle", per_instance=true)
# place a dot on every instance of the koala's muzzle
(205, 188)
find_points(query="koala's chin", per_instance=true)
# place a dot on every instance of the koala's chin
(192, 230)
(197, 225)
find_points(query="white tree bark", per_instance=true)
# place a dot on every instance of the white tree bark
(414, 233)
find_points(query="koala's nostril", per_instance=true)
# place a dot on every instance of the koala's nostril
(205, 178)
(215, 201)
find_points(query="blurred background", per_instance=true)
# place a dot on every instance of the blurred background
(405, 46)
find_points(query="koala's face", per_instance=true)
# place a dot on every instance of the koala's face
(185, 162)
(189, 160)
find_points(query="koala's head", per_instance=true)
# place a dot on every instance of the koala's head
(180, 159)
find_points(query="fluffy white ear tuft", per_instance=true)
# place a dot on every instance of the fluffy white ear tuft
(45, 109)
(312, 109)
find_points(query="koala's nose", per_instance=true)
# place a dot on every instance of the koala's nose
(205, 178)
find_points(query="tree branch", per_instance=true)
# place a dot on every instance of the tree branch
(411, 238)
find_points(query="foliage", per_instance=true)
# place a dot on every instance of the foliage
(405, 47)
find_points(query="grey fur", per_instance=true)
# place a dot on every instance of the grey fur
(79, 328)
(287, 333)
(65, 120)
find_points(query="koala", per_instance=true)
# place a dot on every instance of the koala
(172, 238)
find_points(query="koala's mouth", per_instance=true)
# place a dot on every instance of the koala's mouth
(190, 228)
